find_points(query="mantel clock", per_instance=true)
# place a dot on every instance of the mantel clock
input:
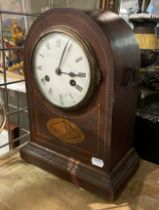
(80, 69)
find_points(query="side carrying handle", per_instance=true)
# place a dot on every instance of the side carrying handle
(130, 77)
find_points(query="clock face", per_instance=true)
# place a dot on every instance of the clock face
(63, 69)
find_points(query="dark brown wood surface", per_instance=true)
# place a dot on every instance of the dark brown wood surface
(107, 121)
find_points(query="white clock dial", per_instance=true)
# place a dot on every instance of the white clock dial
(62, 68)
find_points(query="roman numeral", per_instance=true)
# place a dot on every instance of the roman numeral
(41, 55)
(43, 81)
(61, 99)
(71, 96)
(79, 88)
(47, 45)
(78, 59)
(50, 91)
(69, 47)
(58, 43)
(81, 74)
(39, 68)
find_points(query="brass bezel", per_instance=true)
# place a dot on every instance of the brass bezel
(94, 73)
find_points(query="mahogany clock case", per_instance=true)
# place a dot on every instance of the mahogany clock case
(102, 158)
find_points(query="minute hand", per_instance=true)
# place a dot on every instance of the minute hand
(62, 55)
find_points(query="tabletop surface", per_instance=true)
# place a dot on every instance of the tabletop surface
(27, 187)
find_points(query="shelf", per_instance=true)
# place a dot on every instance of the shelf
(12, 81)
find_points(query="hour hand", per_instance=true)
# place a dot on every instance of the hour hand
(72, 74)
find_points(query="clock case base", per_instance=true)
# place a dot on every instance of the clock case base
(90, 178)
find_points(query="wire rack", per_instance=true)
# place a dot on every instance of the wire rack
(11, 96)
(12, 91)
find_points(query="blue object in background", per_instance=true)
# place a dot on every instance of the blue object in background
(153, 7)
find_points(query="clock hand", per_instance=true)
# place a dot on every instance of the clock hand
(72, 74)
(58, 70)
